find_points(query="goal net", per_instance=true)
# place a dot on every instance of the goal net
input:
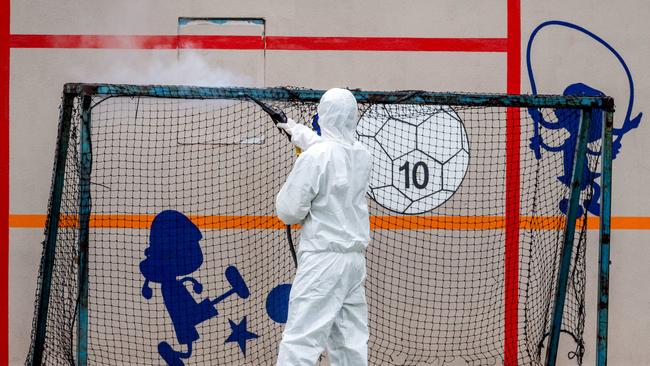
(162, 243)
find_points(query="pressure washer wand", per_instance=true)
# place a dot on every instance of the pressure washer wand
(280, 117)
(276, 116)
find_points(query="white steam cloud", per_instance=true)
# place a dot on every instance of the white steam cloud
(161, 67)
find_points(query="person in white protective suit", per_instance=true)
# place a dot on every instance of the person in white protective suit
(326, 193)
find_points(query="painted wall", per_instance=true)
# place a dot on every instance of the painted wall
(428, 45)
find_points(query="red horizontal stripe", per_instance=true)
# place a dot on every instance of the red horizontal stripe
(386, 44)
(257, 43)
(135, 42)
(221, 42)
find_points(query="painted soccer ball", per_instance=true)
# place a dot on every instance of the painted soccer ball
(420, 154)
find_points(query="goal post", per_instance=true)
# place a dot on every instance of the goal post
(478, 203)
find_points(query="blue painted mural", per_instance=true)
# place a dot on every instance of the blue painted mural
(277, 303)
(569, 121)
(240, 334)
(174, 250)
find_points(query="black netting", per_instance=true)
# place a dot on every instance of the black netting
(436, 264)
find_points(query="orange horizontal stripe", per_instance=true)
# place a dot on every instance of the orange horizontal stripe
(376, 222)
(144, 221)
(437, 222)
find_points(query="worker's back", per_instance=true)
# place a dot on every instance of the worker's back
(326, 189)
(338, 218)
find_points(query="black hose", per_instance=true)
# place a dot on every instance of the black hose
(291, 247)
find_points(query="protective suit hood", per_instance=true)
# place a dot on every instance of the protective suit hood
(337, 115)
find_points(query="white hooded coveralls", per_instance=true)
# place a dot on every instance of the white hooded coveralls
(326, 193)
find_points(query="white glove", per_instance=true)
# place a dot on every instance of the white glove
(288, 126)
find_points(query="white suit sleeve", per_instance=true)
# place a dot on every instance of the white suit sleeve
(294, 199)
(303, 136)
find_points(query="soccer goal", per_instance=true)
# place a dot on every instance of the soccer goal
(161, 244)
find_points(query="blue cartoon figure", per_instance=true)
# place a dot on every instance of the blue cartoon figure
(174, 251)
(569, 120)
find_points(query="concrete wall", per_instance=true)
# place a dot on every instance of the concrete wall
(561, 56)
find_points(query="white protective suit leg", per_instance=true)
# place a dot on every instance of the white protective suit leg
(327, 290)
(347, 344)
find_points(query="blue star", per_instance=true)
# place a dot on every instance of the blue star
(240, 334)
